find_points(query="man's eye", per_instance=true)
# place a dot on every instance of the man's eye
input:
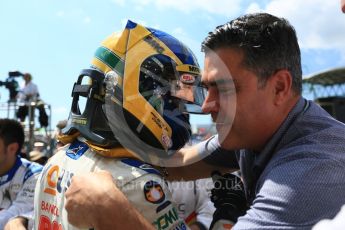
(227, 90)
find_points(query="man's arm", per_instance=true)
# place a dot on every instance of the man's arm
(200, 160)
(100, 204)
(190, 154)
(194, 171)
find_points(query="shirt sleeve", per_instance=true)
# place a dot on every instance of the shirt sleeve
(23, 205)
(215, 155)
(295, 194)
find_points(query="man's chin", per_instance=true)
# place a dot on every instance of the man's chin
(223, 129)
(227, 146)
(230, 141)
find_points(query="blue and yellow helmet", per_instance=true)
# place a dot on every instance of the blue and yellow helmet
(145, 83)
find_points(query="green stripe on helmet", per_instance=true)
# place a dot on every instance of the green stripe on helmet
(110, 59)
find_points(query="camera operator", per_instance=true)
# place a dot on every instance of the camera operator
(12, 85)
(28, 94)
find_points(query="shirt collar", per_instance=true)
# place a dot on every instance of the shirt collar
(10, 174)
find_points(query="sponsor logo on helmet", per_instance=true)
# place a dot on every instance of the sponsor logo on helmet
(187, 78)
(81, 121)
(153, 192)
(194, 69)
(152, 42)
(166, 140)
(157, 120)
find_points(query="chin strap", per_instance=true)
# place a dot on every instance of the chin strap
(67, 138)
(118, 152)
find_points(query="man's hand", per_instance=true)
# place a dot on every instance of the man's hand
(18, 223)
(94, 201)
(88, 198)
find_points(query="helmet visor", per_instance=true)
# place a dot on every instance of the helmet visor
(189, 92)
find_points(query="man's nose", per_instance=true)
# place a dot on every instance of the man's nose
(211, 103)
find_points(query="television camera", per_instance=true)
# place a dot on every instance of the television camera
(11, 84)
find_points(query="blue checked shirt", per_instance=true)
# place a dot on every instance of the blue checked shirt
(299, 177)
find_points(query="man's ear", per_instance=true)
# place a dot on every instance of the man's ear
(282, 86)
(13, 148)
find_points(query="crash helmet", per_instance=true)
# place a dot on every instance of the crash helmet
(142, 85)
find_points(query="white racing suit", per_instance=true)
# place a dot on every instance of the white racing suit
(143, 186)
(193, 200)
(17, 190)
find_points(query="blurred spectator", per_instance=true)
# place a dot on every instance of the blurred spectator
(18, 176)
(28, 96)
(29, 91)
(57, 144)
(38, 157)
(60, 125)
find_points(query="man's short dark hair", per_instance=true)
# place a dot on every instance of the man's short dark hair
(11, 131)
(268, 43)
